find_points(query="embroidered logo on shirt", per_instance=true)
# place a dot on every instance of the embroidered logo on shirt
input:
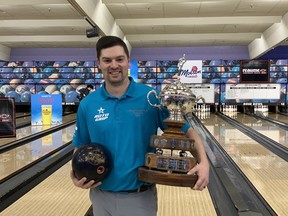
(138, 113)
(101, 115)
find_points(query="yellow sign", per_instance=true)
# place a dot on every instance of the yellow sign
(46, 114)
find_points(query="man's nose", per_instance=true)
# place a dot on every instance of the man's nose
(114, 63)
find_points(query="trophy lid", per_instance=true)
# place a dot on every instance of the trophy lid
(178, 89)
(177, 96)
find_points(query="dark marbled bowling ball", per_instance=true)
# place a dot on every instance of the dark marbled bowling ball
(92, 161)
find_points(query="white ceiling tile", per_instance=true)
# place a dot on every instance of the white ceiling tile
(211, 10)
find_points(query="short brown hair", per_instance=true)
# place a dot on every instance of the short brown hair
(110, 41)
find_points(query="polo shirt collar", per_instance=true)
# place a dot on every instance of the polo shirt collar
(131, 92)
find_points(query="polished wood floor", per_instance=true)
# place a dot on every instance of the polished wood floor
(57, 196)
(183, 201)
(265, 170)
(26, 131)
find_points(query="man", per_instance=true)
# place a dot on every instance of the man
(119, 116)
(83, 92)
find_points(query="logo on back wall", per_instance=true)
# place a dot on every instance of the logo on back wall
(191, 72)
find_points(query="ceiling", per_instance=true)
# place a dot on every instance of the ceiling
(143, 23)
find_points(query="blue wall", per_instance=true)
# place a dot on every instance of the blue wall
(280, 52)
(89, 54)
(50, 54)
(171, 53)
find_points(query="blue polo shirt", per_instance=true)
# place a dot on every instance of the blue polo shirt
(124, 125)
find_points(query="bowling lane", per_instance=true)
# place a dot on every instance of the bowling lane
(26, 131)
(183, 201)
(22, 114)
(23, 155)
(23, 119)
(266, 128)
(265, 170)
(278, 117)
(55, 196)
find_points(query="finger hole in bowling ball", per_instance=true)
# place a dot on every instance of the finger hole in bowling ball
(92, 161)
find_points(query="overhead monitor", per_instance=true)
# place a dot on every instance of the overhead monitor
(254, 71)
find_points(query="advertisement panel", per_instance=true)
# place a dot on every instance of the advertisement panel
(7, 117)
(191, 72)
(46, 109)
(254, 71)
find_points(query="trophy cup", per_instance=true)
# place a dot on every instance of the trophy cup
(175, 153)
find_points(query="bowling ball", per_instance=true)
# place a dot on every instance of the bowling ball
(47, 72)
(50, 88)
(42, 92)
(21, 88)
(92, 161)
(39, 75)
(25, 96)
(71, 97)
(28, 64)
(80, 72)
(89, 64)
(66, 88)
(67, 72)
(60, 82)
(89, 81)
(54, 76)
(29, 83)
(75, 83)
(73, 64)
(150, 64)
(59, 63)
(5, 88)
(13, 94)
(15, 82)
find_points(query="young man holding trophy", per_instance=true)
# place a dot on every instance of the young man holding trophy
(119, 116)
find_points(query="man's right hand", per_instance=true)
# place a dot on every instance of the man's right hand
(82, 182)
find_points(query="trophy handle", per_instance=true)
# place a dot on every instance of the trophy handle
(156, 96)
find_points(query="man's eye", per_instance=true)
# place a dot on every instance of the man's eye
(120, 60)
(106, 60)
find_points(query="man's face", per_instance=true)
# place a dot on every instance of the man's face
(114, 64)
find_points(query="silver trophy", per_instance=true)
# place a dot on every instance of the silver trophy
(177, 97)
(172, 168)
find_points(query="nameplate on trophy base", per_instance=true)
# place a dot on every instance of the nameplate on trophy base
(171, 142)
(170, 163)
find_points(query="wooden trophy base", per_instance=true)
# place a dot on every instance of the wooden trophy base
(160, 177)
(170, 169)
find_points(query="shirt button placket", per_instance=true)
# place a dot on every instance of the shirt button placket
(117, 111)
